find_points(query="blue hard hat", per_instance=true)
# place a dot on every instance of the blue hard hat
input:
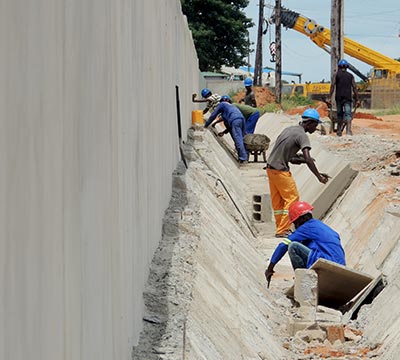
(205, 93)
(343, 63)
(248, 81)
(225, 98)
(311, 114)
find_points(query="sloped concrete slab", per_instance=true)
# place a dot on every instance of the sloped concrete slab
(333, 189)
(355, 303)
(337, 284)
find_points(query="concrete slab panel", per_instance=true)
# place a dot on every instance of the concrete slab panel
(355, 303)
(337, 284)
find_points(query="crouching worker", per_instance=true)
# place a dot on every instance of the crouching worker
(312, 240)
(235, 123)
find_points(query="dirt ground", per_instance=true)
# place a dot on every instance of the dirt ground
(387, 126)
(363, 122)
(374, 149)
(263, 96)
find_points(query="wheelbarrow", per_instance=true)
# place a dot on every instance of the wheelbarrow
(257, 144)
(333, 117)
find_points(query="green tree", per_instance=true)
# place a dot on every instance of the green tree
(220, 31)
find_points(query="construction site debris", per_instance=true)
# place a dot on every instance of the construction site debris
(363, 115)
(263, 95)
(320, 106)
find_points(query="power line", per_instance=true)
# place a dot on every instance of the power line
(372, 14)
(352, 36)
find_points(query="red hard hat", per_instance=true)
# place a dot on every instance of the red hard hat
(299, 208)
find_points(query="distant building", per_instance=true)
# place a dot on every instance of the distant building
(208, 75)
(268, 74)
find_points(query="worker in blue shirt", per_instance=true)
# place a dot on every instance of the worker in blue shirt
(312, 240)
(234, 121)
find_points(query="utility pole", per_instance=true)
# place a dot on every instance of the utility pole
(248, 55)
(258, 62)
(336, 34)
(278, 64)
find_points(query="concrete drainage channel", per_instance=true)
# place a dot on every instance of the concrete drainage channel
(207, 299)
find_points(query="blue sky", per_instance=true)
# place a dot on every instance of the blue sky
(374, 24)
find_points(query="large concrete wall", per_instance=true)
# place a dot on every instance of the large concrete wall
(88, 143)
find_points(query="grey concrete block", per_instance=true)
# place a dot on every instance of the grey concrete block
(306, 288)
(262, 209)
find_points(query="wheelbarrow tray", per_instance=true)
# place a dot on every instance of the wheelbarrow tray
(256, 144)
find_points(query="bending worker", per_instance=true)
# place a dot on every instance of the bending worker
(312, 240)
(251, 116)
(282, 186)
(234, 121)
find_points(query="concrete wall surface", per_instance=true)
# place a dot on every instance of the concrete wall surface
(88, 144)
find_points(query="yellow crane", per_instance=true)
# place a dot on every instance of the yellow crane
(386, 73)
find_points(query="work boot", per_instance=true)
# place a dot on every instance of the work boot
(348, 128)
(339, 128)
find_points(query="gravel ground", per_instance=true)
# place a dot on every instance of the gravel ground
(374, 149)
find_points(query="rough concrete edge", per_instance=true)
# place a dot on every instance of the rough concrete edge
(335, 189)
(168, 291)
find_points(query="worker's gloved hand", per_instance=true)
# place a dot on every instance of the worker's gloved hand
(358, 104)
(194, 95)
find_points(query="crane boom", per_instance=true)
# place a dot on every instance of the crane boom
(321, 36)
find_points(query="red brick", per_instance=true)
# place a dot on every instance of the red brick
(335, 333)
